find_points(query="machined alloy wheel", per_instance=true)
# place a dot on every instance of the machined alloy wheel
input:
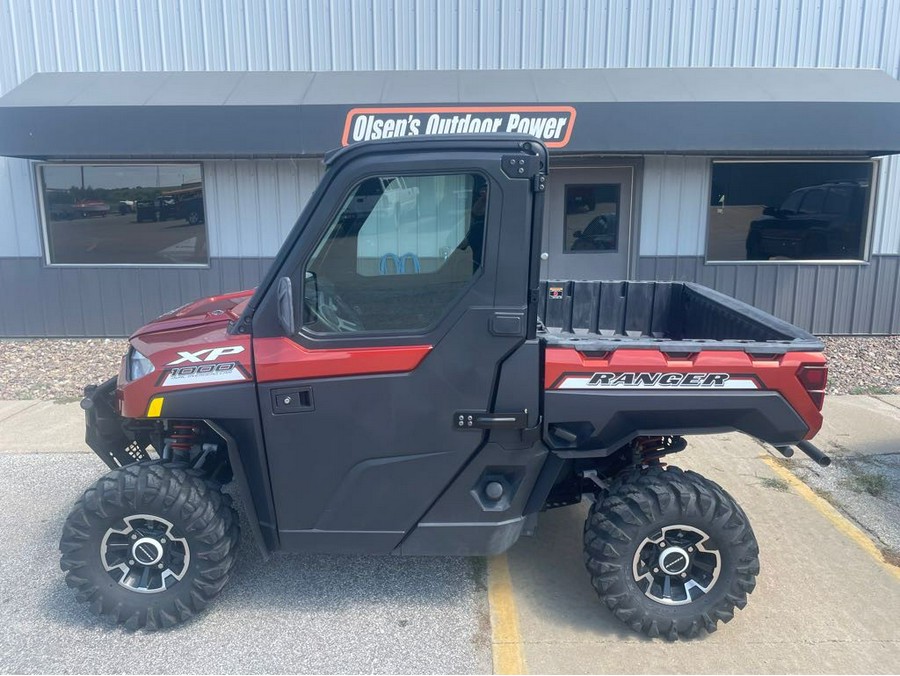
(676, 565)
(145, 556)
(669, 552)
(150, 544)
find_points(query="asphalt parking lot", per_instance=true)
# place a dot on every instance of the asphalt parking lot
(300, 614)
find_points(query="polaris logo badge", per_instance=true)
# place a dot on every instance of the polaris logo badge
(659, 381)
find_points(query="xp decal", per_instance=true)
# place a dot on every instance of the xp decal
(210, 354)
(659, 381)
(204, 374)
(551, 124)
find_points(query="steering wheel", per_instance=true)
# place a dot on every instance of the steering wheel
(333, 312)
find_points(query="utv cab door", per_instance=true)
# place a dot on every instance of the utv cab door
(408, 279)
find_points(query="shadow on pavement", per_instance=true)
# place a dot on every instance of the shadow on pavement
(552, 585)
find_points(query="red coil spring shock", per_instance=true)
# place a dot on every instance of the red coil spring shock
(184, 436)
(651, 450)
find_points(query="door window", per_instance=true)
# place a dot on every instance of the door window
(397, 255)
(592, 218)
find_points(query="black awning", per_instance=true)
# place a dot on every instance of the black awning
(743, 111)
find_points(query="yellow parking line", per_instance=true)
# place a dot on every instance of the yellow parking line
(506, 642)
(838, 520)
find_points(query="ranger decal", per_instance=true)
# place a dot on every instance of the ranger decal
(658, 381)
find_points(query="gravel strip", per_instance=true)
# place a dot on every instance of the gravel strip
(58, 369)
(863, 364)
(866, 488)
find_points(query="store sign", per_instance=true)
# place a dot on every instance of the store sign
(551, 124)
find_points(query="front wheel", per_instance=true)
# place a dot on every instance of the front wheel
(149, 545)
(670, 552)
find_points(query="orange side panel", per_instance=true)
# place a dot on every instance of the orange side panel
(282, 359)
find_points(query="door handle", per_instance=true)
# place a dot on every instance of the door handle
(483, 420)
(292, 400)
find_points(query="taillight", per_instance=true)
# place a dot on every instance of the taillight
(814, 379)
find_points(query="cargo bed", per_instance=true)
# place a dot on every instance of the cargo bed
(599, 316)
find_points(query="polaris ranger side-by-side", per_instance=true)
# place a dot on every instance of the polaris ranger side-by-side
(401, 382)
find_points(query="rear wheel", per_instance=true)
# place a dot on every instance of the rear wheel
(149, 545)
(670, 552)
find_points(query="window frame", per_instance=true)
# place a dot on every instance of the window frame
(315, 337)
(38, 169)
(875, 164)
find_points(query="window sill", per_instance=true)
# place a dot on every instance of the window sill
(830, 261)
(156, 266)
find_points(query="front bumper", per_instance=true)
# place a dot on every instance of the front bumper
(104, 428)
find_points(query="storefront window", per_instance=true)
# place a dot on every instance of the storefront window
(789, 211)
(117, 214)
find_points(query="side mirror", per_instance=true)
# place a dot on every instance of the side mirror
(285, 295)
(578, 233)
(770, 211)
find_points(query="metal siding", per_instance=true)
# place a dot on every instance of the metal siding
(63, 302)
(250, 204)
(673, 205)
(886, 234)
(824, 299)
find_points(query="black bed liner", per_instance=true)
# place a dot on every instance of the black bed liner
(600, 316)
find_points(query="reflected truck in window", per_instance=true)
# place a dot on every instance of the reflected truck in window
(601, 234)
(184, 204)
(822, 221)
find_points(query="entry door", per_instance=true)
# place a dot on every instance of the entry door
(587, 226)
(407, 315)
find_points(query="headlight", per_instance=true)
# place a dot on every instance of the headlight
(138, 365)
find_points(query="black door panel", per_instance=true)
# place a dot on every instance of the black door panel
(379, 450)
(359, 469)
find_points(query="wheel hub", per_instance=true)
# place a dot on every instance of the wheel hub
(674, 560)
(147, 555)
(676, 565)
(147, 551)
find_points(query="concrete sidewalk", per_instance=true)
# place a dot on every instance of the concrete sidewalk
(822, 604)
(41, 427)
(862, 436)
